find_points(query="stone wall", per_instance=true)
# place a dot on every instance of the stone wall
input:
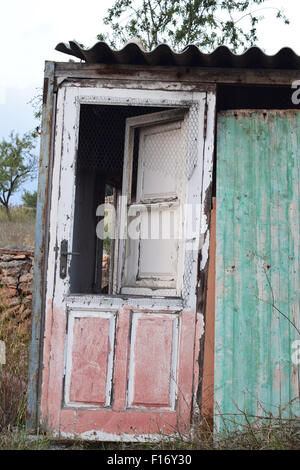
(16, 275)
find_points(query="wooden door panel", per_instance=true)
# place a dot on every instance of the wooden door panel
(89, 361)
(158, 259)
(153, 361)
(153, 263)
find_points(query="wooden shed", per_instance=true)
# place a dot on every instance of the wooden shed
(167, 276)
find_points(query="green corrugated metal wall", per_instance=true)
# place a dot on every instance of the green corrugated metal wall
(257, 263)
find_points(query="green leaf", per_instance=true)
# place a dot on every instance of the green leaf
(205, 23)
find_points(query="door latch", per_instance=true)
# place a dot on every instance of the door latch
(64, 258)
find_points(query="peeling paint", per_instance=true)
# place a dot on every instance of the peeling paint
(116, 365)
(258, 277)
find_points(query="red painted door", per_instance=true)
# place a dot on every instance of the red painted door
(122, 331)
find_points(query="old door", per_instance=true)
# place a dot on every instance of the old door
(257, 265)
(121, 323)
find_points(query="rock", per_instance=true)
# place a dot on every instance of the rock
(6, 257)
(14, 268)
(8, 292)
(27, 300)
(13, 302)
(9, 281)
(26, 278)
(16, 278)
(25, 287)
(13, 263)
(20, 257)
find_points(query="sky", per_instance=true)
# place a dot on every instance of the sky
(30, 30)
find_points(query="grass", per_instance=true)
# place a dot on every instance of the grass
(13, 374)
(274, 435)
(18, 232)
(270, 434)
(15, 232)
(17, 438)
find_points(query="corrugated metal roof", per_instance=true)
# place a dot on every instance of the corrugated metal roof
(191, 56)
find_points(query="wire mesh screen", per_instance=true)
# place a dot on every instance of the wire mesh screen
(101, 138)
(195, 137)
(162, 161)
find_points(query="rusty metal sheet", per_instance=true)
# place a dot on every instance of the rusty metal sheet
(257, 264)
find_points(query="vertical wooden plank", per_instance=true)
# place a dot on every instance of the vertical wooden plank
(207, 409)
(257, 274)
(61, 228)
(52, 260)
(90, 358)
(153, 360)
(41, 242)
(203, 238)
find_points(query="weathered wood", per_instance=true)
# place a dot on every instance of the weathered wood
(5, 251)
(207, 397)
(89, 354)
(114, 420)
(41, 245)
(204, 235)
(137, 73)
(113, 83)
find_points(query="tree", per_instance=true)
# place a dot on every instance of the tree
(17, 164)
(205, 23)
(29, 199)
